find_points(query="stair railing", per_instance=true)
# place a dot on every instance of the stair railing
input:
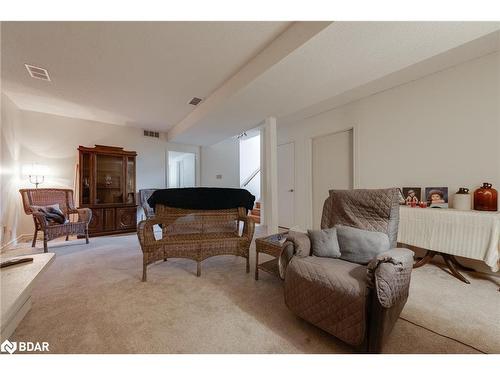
(250, 178)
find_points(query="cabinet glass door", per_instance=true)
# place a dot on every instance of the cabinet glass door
(130, 180)
(109, 179)
(85, 178)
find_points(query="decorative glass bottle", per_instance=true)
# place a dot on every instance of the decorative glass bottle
(486, 198)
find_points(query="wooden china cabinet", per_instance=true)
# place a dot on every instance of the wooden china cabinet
(107, 187)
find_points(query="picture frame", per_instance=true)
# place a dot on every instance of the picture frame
(411, 195)
(436, 197)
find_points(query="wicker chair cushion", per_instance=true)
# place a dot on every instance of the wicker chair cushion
(52, 213)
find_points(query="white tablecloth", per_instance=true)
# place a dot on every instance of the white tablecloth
(469, 234)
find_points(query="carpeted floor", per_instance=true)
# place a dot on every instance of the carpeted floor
(91, 300)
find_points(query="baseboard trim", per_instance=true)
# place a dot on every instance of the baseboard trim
(15, 241)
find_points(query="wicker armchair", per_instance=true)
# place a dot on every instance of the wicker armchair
(195, 234)
(64, 198)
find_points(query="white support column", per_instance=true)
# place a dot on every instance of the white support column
(269, 175)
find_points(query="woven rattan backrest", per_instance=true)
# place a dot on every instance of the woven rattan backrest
(179, 220)
(46, 197)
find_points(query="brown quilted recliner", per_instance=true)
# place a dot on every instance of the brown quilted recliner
(359, 304)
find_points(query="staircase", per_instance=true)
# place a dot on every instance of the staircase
(255, 213)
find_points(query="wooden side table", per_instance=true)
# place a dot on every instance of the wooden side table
(270, 245)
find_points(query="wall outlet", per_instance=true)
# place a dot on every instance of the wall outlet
(218, 177)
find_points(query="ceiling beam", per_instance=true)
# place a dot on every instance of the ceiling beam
(291, 39)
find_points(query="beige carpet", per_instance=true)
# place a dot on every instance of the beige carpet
(91, 300)
(469, 313)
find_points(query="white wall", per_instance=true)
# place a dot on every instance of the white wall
(249, 163)
(10, 205)
(223, 159)
(53, 141)
(440, 130)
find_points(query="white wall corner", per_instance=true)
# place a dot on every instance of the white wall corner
(269, 164)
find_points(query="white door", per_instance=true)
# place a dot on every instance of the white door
(332, 168)
(286, 185)
(181, 169)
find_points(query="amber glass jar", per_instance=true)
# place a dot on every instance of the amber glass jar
(486, 198)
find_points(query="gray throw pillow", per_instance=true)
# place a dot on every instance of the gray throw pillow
(360, 246)
(324, 243)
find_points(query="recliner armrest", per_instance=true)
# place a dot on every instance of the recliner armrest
(389, 274)
(296, 244)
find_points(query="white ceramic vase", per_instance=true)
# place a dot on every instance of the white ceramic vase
(462, 200)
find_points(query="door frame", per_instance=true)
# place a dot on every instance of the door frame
(309, 153)
(197, 164)
(294, 183)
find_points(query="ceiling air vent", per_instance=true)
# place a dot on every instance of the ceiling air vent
(150, 133)
(195, 101)
(37, 72)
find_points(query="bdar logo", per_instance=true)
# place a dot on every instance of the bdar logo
(9, 347)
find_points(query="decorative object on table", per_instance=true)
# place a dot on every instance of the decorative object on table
(486, 198)
(462, 200)
(412, 196)
(107, 183)
(422, 204)
(33, 199)
(436, 197)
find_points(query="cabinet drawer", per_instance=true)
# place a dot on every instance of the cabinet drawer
(109, 219)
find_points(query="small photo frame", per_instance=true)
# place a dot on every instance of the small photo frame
(436, 197)
(412, 195)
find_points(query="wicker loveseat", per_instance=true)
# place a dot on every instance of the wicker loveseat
(194, 234)
(33, 198)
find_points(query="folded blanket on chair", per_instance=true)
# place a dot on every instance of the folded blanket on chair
(203, 198)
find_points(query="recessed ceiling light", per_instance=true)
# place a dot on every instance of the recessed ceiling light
(195, 101)
(37, 72)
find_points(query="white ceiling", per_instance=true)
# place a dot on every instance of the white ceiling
(342, 57)
(143, 73)
(136, 73)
